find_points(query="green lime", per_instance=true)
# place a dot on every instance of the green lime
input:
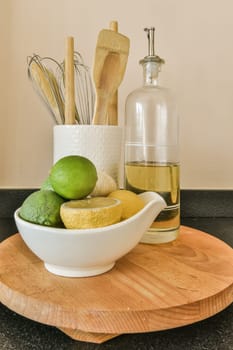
(73, 177)
(46, 185)
(42, 207)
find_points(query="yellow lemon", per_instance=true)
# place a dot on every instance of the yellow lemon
(131, 202)
(91, 212)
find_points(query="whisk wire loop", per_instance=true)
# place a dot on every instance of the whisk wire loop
(49, 83)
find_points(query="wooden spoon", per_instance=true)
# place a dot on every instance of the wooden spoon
(111, 57)
(69, 82)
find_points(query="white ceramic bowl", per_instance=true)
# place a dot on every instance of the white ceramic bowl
(88, 252)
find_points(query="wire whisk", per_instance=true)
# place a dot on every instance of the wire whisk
(48, 79)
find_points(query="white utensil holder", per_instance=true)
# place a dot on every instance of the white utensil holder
(102, 144)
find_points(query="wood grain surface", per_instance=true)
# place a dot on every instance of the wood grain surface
(154, 287)
(69, 82)
(113, 103)
(110, 61)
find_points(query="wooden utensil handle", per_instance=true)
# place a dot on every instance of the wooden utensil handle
(69, 82)
(113, 104)
(114, 26)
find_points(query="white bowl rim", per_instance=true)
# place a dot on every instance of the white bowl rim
(58, 230)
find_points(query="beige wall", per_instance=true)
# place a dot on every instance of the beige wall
(194, 37)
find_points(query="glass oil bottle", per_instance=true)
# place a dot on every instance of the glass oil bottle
(152, 146)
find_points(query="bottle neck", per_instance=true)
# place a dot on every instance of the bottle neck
(150, 73)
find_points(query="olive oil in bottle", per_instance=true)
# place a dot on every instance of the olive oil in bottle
(151, 146)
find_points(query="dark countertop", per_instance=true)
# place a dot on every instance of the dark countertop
(214, 333)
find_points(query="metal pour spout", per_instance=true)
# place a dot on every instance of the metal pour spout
(151, 40)
(151, 57)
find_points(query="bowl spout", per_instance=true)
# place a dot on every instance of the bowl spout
(154, 204)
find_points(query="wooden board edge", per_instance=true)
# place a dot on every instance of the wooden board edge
(97, 338)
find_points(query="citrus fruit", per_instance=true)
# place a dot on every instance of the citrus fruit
(46, 185)
(91, 212)
(104, 185)
(131, 202)
(42, 207)
(73, 177)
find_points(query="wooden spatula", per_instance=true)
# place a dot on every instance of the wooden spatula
(113, 103)
(110, 62)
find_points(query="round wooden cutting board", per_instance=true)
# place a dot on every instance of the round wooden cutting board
(154, 287)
